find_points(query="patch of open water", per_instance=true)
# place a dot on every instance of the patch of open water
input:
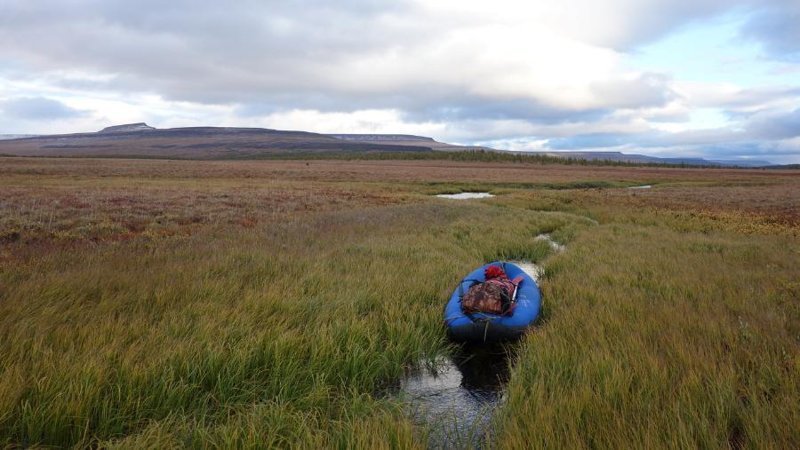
(465, 195)
(455, 396)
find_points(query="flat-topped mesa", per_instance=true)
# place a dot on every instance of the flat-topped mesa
(403, 139)
(128, 127)
(381, 137)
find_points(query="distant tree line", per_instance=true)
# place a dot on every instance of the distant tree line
(470, 155)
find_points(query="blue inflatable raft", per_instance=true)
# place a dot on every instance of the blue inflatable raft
(482, 327)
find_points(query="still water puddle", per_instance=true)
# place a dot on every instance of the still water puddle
(466, 195)
(644, 186)
(455, 396)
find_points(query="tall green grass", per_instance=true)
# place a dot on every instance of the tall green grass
(280, 335)
(662, 339)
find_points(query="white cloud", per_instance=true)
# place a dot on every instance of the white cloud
(362, 121)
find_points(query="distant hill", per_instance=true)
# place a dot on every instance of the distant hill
(742, 162)
(404, 139)
(644, 159)
(141, 126)
(139, 140)
(4, 137)
(142, 141)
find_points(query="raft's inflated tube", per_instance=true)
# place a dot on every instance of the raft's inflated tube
(481, 327)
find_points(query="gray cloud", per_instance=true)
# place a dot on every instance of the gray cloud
(767, 135)
(775, 126)
(292, 54)
(596, 140)
(777, 26)
(758, 128)
(646, 90)
(466, 107)
(198, 51)
(37, 108)
(743, 101)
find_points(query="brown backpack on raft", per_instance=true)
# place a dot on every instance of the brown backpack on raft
(493, 296)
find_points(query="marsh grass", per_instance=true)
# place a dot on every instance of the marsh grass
(671, 320)
(193, 334)
(665, 339)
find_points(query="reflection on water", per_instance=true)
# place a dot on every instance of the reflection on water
(455, 396)
(465, 195)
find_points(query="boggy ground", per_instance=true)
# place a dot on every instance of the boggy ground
(180, 303)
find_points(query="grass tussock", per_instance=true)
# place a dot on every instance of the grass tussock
(671, 320)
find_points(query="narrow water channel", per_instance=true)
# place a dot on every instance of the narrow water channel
(455, 396)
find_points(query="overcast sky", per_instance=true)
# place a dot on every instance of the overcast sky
(712, 78)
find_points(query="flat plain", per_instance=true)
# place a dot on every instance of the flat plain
(148, 303)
